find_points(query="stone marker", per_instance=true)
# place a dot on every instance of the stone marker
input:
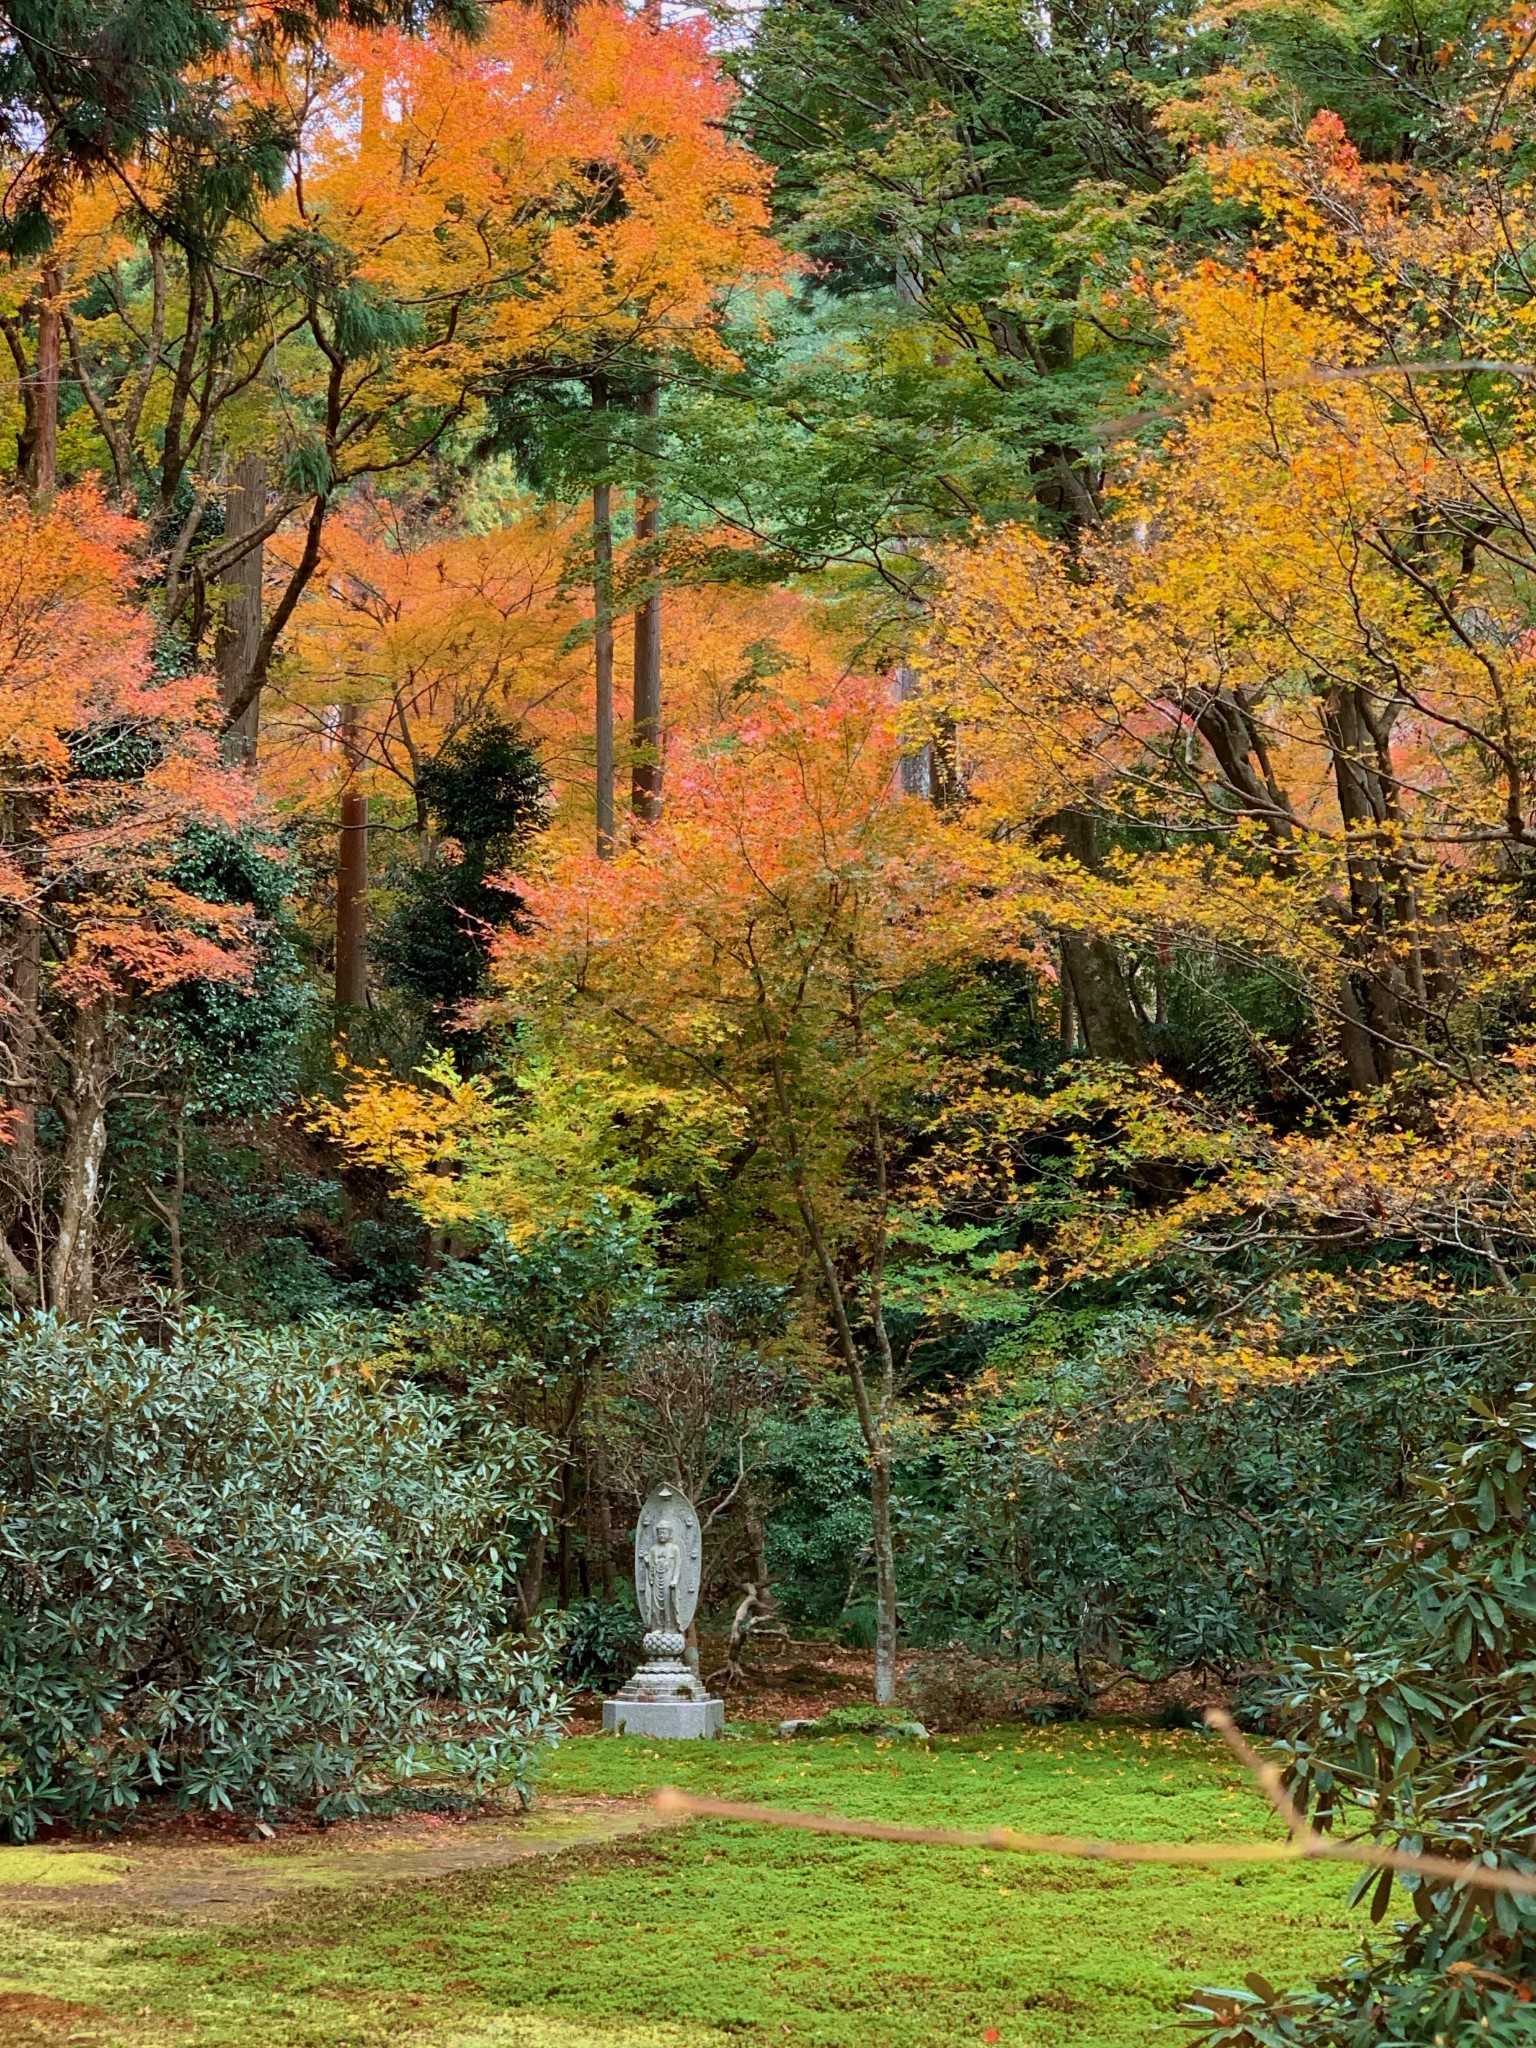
(664, 1698)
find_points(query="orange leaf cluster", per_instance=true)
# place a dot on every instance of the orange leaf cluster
(104, 762)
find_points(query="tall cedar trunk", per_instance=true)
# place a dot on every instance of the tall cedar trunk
(43, 451)
(646, 733)
(239, 637)
(352, 907)
(71, 1276)
(1100, 996)
(602, 649)
(602, 632)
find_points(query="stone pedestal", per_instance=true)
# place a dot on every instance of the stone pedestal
(664, 1698)
(671, 1720)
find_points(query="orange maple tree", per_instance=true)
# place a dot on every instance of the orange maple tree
(416, 630)
(457, 218)
(750, 950)
(105, 764)
(462, 218)
(1276, 717)
(1296, 655)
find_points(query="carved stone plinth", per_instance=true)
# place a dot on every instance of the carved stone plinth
(668, 1720)
(663, 1698)
(664, 1674)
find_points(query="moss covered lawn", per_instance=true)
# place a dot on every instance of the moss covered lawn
(712, 1933)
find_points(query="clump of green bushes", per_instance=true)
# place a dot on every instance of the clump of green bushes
(1416, 1730)
(1092, 1533)
(236, 1568)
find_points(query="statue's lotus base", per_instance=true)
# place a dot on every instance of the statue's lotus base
(674, 1720)
(664, 1698)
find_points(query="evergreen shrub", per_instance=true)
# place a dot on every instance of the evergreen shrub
(235, 1568)
(1098, 1531)
(602, 1643)
(1417, 1731)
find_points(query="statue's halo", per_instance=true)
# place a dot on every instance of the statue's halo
(670, 1504)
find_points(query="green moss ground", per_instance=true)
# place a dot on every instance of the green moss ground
(717, 1933)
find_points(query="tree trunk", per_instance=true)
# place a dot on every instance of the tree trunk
(352, 908)
(173, 1214)
(24, 1045)
(239, 637)
(882, 1536)
(915, 770)
(1110, 1027)
(875, 1422)
(646, 734)
(606, 1576)
(1362, 1055)
(602, 591)
(563, 1541)
(602, 631)
(170, 1207)
(71, 1279)
(757, 1602)
(1371, 1021)
(1101, 999)
(596, 1421)
(597, 1549)
(530, 1580)
(25, 1035)
(43, 456)
(881, 1487)
(1066, 1016)
(1231, 731)
(757, 1544)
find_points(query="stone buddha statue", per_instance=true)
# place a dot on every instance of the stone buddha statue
(665, 1698)
(663, 1580)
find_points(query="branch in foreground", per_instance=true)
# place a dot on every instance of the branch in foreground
(1304, 1845)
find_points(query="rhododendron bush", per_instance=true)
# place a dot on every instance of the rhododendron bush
(197, 1472)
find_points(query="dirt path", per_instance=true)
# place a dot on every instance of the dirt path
(219, 1881)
